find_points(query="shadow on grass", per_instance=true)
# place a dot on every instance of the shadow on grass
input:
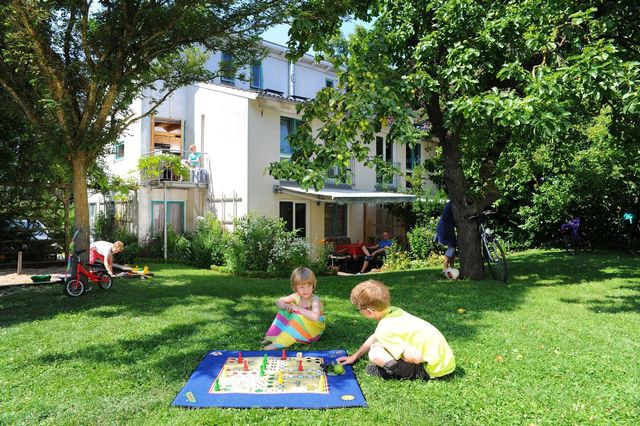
(612, 304)
(244, 308)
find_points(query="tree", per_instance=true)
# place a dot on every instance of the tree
(75, 67)
(487, 79)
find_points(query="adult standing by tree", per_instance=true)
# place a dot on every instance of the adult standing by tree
(75, 67)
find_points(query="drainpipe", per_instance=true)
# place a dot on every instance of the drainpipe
(292, 79)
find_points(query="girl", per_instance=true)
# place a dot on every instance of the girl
(300, 318)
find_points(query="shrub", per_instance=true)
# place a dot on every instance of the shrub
(152, 247)
(208, 242)
(131, 247)
(104, 227)
(396, 259)
(421, 242)
(251, 242)
(288, 253)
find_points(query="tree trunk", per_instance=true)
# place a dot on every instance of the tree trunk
(81, 201)
(467, 230)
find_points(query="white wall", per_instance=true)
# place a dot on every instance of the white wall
(310, 79)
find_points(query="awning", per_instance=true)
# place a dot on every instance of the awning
(345, 196)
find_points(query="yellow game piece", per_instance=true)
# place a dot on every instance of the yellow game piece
(134, 269)
(145, 270)
(322, 383)
(280, 378)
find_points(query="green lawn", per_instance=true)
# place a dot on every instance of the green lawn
(559, 344)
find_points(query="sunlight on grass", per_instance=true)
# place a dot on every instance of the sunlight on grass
(556, 345)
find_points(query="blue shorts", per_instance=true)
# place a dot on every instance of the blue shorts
(451, 251)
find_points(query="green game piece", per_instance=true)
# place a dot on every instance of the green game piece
(262, 370)
(216, 387)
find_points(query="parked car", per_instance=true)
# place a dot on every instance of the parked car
(29, 236)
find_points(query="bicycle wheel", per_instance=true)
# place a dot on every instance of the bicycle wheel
(74, 287)
(496, 260)
(106, 281)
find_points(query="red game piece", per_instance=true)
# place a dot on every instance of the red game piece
(284, 354)
(239, 357)
(246, 366)
(300, 366)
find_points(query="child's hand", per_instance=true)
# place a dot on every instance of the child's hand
(346, 360)
(293, 308)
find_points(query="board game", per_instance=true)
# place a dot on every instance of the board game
(270, 379)
(284, 374)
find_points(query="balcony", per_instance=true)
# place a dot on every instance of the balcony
(171, 167)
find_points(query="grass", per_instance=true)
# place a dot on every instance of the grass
(558, 345)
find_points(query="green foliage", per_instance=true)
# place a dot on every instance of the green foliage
(208, 242)
(152, 167)
(396, 259)
(104, 227)
(251, 242)
(131, 247)
(421, 242)
(287, 254)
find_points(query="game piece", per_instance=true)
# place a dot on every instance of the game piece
(265, 359)
(216, 387)
(321, 384)
(280, 380)
(245, 367)
(262, 370)
(300, 368)
(299, 356)
(284, 354)
(239, 357)
(338, 369)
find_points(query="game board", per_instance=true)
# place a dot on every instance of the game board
(270, 379)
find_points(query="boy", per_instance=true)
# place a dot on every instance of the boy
(104, 251)
(403, 346)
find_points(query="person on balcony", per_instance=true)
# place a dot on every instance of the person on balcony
(372, 252)
(193, 162)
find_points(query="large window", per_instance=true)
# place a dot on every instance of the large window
(256, 75)
(335, 220)
(288, 127)
(227, 76)
(413, 159)
(174, 216)
(295, 217)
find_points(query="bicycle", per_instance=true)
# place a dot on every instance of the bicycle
(492, 251)
(74, 285)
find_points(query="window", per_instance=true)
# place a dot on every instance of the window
(295, 217)
(256, 75)
(174, 216)
(119, 151)
(92, 214)
(288, 126)
(225, 65)
(384, 150)
(413, 156)
(335, 220)
(328, 83)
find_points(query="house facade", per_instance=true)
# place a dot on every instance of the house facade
(240, 127)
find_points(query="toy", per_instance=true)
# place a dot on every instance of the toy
(452, 273)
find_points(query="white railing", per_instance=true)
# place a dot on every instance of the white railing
(178, 169)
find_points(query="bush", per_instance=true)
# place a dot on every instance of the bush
(131, 247)
(288, 253)
(421, 242)
(208, 242)
(251, 242)
(396, 259)
(152, 247)
(104, 227)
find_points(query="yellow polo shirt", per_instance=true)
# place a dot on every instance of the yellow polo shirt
(399, 329)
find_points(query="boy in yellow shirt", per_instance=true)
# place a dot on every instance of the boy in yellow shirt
(403, 346)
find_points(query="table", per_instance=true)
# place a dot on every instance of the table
(353, 249)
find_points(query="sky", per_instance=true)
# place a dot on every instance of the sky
(279, 33)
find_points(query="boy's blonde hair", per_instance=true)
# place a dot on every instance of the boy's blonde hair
(193, 145)
(371, 294)
(118, 245)
(302, 275)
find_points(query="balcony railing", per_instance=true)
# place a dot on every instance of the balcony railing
(170, 165)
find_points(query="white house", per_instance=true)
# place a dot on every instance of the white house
(241, 127)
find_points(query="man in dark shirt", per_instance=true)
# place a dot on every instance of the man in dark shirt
(446, 235)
